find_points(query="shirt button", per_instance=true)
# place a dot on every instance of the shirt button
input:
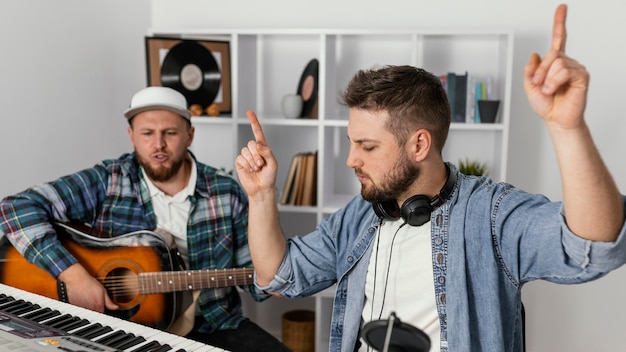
(350, 259)
(438, 241)
(441, 279)
(371, 230)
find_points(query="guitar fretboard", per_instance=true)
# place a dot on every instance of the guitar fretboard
(172, 281)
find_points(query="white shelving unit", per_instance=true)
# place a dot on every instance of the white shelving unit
(267, 64)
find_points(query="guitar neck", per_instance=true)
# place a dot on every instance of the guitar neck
(172, 281)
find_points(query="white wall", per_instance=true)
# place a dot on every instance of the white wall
(67, 71)
(69, 67)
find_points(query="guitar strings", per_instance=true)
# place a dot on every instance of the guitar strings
(152, 282)
(126, 284)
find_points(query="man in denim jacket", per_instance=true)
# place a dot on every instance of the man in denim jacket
(454, 270)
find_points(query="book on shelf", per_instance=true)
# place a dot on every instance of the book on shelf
(464, 91)
(291, 177)
(310, 180)
(296, 198)
(460, 98)
(470, 101)
(301, 183)
(451, 90)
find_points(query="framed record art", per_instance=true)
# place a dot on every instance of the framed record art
(199, 69)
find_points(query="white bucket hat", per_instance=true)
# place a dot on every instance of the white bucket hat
(158, 98)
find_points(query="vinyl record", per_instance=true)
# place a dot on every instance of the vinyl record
(191, 69)
(307, 89)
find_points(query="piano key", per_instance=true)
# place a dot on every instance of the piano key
(5, 299)
(162, 338)
(130, 343)
(97, 333)
(36, 313)
(127, 341)
(25, 309)
(58, 320)
(31, 309)
(44, 314)
(75, 324)
(64, 324)
(9, 307)
(112, 338)
(86, 329)
(147, 332)
(147, 347)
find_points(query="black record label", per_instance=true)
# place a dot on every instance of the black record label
(191, 69)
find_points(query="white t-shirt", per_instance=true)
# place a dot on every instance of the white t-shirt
(403, 284)
(172, 212)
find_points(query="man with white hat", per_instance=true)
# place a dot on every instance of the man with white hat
(158, 186)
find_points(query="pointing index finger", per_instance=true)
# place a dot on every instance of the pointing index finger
(559, 34)
(257, 130)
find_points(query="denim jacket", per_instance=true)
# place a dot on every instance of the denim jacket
(488, 239)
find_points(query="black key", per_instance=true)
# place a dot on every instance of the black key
(36, 313)
(75, 325)
(130, 343)
(98, 332)
(113, 338)
(31, 307)
(46, 316)
(66, 324)
(122, 340)
(56, 321)
(87, 329)
(5, 299)
(15, 305)
(150, 346)
(163, 348)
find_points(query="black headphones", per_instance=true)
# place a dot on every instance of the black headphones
(416, 210)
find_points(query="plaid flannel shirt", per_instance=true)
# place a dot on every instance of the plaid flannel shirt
(113, 199)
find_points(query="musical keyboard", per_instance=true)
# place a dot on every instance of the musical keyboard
(70, 326)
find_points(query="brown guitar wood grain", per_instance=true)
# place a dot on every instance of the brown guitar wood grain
(134, 276)
(106, 264)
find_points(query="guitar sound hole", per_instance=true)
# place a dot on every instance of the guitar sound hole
(122, 285)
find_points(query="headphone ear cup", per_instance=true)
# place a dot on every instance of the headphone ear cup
(387, 210)
(416, 210)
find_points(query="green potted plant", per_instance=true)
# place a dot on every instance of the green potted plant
(473, 167)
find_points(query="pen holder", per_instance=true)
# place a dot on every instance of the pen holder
(488, 110)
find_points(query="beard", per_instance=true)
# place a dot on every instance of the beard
(393, 184)
(162, 173)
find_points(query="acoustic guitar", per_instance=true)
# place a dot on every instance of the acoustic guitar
(142, 273)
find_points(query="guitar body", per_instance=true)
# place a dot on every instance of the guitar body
(116, 263)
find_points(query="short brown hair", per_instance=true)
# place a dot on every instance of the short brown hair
(413, 97)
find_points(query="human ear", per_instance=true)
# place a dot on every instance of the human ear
(420, 143)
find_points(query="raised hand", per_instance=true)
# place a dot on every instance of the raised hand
(556, 85)
(256, 165)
